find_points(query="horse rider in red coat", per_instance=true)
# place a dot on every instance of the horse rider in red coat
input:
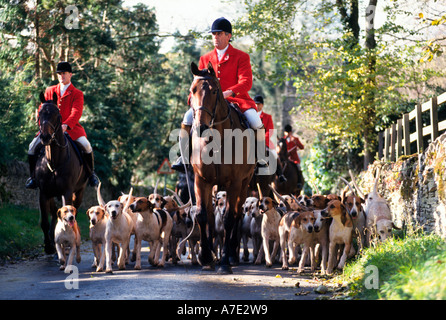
(267, 121)
(70, 101)
(233, 69)
(292, 144)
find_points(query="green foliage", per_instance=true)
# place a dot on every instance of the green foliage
(410, 268)
(133, 95)
(348, 91)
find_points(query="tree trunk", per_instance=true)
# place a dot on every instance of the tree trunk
(370, 140)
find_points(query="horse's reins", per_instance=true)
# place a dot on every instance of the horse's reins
(214, 111)
(55, 128)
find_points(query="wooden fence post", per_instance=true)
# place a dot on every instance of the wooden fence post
(393, 143)
(419, 128)
(406, 134)
(386, 144)
(380, 145)
(399, 138)
(434, 119)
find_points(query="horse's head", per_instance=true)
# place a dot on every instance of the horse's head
(206, 94)
(283, 153)
(50, 120)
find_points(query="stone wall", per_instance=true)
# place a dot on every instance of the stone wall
(415, 187)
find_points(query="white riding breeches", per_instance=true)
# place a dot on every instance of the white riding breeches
(251, 115)
(86, 146)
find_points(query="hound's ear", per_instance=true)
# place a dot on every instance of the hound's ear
(59, 213)
(194, 69)
(275, 203)
(55, 98)
(163, 203)
(42, 97)
(75, 211)
(343, 214)
(150, 204)
(88, 213)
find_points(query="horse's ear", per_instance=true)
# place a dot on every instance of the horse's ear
(55, 98)
(194, 69)
(211, 69)
(42, 97)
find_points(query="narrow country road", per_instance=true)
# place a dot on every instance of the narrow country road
(41, 279)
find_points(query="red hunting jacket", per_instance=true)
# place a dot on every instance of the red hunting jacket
(71, 106)
(293, 144)
(267, 121)
(234, 73)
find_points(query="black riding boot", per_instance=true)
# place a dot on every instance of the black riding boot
(31, 183)
(260, 140)
(179, 164)
(89, 159)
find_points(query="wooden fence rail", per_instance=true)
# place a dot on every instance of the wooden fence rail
(397, 139)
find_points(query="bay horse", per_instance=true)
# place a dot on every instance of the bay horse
(59, 171)
(213, 114)
(295, 181)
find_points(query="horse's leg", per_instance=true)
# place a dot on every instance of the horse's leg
(53, 211)
(203, 197)
(232, 217)
(45, 225)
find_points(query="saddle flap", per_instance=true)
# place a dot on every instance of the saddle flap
(240, 114)
(77, 148)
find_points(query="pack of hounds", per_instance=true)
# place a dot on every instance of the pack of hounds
(319, 231)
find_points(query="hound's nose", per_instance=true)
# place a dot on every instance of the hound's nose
(310, 229)
(71, 218)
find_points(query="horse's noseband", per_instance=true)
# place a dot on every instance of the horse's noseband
(212, 124)
(56, 128)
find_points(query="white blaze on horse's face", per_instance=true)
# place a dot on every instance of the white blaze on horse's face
(203, 95)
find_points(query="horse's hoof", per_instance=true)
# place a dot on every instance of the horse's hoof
(50, 249)
(207, 258)
(224, 270)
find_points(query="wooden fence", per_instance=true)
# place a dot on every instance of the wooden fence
(411, 134)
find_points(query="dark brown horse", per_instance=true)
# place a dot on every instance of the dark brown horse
(59, 171)
(212, 115)
(291, 171)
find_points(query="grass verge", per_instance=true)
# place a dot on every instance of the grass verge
(20, 232)
(399, 269)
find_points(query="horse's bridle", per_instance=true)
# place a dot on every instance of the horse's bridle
(212, 124)
(55, 128)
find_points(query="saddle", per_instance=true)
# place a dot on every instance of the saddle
(240, 114)
(77, 148)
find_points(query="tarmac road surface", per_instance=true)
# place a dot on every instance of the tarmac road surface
(41, 279)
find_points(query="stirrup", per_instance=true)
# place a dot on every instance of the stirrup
(31, 183)
(93, 180)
